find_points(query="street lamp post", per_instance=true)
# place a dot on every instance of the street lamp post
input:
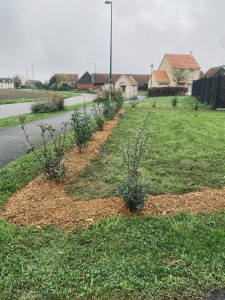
(95, 67)
(151, 73)
(110, 78)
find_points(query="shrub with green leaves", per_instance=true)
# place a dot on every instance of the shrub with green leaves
(174, 101)
(109, 110)
(51, 153)
(83, 128)
(100, 122)
(135, 185)
(43, 107)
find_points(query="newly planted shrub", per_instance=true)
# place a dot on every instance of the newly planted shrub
(51, 154)
(83, 128)
(100, 122)
(133, 102)
(174, 102)
(135, 185)
(154, 103)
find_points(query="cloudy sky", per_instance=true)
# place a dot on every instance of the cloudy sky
(69, 36)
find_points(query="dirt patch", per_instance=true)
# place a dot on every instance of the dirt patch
(44, 202)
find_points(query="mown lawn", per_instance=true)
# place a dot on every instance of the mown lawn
(187, 102)
(117, 258)
(185, 151)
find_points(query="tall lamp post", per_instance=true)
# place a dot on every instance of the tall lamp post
(151, 73)
(110, 78)
(95, 67)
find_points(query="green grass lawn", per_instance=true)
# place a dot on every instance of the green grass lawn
(14, 120)
(117, 258)
(185, 151)
(186, 102)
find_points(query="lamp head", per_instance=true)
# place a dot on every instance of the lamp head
(108, 2)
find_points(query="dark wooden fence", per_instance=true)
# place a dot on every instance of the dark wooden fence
(210, 91)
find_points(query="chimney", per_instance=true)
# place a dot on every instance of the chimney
(191, 53)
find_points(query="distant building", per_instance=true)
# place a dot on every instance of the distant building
(128, 86)
(30, 83)
(183, 65)
(215, 71)
(85, 82)
(71, 78)
(100, 79)
(6, 83)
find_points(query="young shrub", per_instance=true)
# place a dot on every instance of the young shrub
(83, 128)
(195, 104)
(174, 102)
(100, 122)
(133, 102)
(109, 110)
(51, 154)
(43, 107)
(135, 186)
(154, 104)
(58, 101)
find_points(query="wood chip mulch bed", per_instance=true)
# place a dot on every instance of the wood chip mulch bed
(44, 202)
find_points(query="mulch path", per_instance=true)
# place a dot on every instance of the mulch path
(44, 202)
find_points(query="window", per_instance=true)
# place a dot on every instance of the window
(191, 75)
(74, 81)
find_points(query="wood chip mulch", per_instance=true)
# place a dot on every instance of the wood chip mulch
(44, 202)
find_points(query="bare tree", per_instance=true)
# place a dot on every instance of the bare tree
(179, 75)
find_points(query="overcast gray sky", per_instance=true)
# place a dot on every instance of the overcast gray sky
(68, 36)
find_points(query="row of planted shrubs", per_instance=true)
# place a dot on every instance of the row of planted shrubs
(167, 91)
(134, 187)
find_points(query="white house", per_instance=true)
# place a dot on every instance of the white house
(6, 83)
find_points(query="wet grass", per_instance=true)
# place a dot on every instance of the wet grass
(185, 152)
(117, 258)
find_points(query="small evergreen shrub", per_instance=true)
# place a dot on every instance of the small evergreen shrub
(51, 154)
(135, 185)
(109, 110)
(43, 107)
(154, 103)
(174, 102)
(100, 122)
(133, 102)
(83, 128)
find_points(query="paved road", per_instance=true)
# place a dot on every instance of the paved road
(7, 110)
(13, 142)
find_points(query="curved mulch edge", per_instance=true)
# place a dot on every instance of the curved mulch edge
(45, 202)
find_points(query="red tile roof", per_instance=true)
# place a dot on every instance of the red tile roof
(71, 77)
(182, 61)
(213, 71)
(161, 76)
(103, 78)
(131, 79)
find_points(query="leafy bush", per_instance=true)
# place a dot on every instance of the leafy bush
(100, 122)
(135, 186)
(167, 91)
(109, 110)
(51, 153)
(154, 103)
(54, 103)
(174, 102)
(43, 107)
(64, 86)
(83, 128)
(195, 104)
(58, 101)
(133, 102)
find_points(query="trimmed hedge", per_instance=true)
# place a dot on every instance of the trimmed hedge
(167, 91)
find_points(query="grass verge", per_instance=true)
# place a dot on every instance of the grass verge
(117, 258)
(186, 102)
(185, 151)
(13, 121)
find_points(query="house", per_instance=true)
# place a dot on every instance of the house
(30, 83)
(100, 79)
(128, 86)
(71, 78)
(176, 70)
(85, 82)
(215, 71)
(6, 83)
